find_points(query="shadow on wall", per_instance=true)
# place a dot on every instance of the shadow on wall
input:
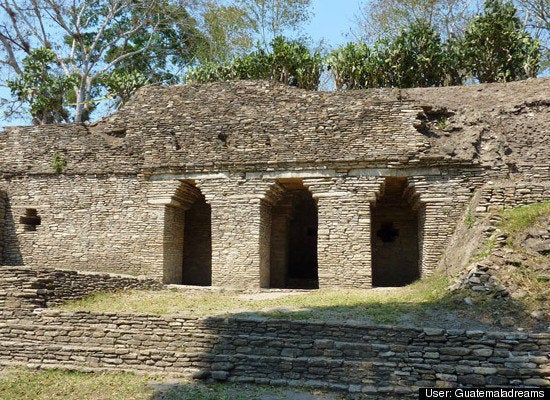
(358, 357)
(10, 251)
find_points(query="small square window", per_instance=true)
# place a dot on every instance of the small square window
(31, 219)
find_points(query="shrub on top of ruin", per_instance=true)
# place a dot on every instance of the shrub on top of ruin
(415, 58)
(289, 62)
(497, 48)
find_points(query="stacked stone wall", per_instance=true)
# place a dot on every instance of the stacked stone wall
(79, 149)
(350, 357)
(33, 286)
(89, 223)
(504, 195)
(2, 224)
(244, 243)
(123, 224)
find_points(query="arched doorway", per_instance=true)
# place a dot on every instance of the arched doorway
(188, 238)
(395, 235)
(293, 238)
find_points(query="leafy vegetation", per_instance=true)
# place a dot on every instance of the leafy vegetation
(42, 86)
(386, 18)
(106, 50)
(58, 162)
(289, 62)
(63, 59)
(495, 47)
(93, 39)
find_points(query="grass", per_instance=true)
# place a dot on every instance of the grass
(470, 218)
(24, 384)
(416, 303)
(521, 270)
(441, 123)
(487, 250)
(378, 306)
(521, 218)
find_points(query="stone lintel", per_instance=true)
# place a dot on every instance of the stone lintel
(166, 201)
(169, 177)
(331, 194)
(405, 172)
(326, 173)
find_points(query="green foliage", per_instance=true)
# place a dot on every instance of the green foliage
(58, 162)
(121, 84)
(454, 62)
(416, 57)
(228, 33)
(350, 66)
(174, 41)
(289, 62)
(42, 87)
(496, 46)
(101, 47)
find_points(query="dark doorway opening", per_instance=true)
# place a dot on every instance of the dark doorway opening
(395, 235)
(197, 244)
(293, 239)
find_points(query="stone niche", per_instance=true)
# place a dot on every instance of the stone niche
(396, 235)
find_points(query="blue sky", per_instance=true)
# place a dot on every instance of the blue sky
(332, 21)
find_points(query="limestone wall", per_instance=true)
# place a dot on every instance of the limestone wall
(128, 182)
(502, 195)
(2, 224)
(124, 224)
(349, 357)
(93, 223)
(23, 286)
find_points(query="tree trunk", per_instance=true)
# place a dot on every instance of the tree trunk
(79, 109)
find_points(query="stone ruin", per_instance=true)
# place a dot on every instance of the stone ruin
(257, 185)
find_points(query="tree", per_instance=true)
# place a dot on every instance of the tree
(289, 62)
(271, 18)
(43, 87)
(536, 14)
(94, 38)
(415, 58)
(497, 47)
(386, 18)
(349, 65)
(228, 31)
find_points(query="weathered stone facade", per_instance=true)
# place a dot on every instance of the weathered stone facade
(253, 184)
